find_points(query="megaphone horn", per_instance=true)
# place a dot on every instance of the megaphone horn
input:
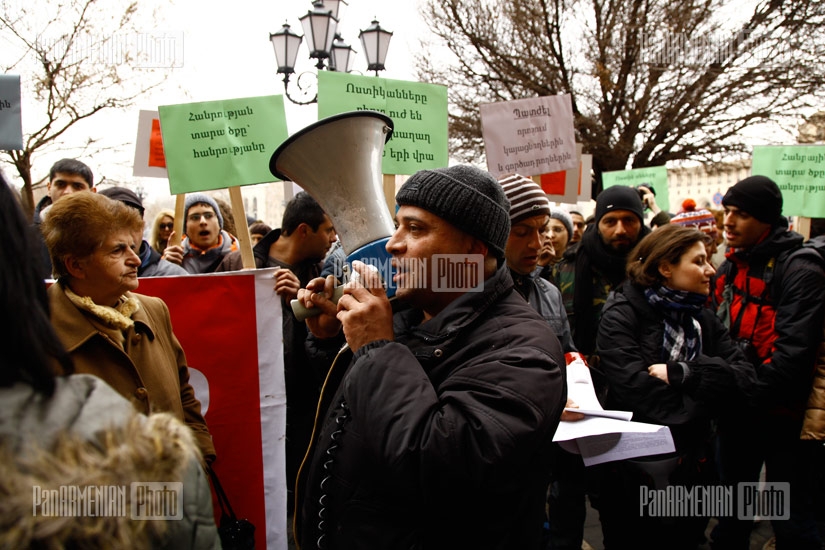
(337, 160)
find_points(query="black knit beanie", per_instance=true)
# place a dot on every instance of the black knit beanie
(619, 197)
(467, 197)
(759, 196)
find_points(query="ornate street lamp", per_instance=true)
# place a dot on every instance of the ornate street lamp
(324, 44)
(286, 44)
(319, 28)
(341, 57)
(376, 42)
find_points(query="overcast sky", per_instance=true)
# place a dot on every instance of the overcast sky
(227, 54)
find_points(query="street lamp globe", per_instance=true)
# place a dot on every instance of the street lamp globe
(286, 44)
(376, 42)
(341, 58)
(334, 6)
(319, 28)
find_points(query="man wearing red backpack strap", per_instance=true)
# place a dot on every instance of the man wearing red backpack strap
(773, 305)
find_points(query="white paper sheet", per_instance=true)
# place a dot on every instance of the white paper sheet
(605, 436)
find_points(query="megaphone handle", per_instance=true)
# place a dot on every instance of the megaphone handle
(302, 313)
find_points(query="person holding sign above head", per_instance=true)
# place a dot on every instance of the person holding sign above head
(668, 359)
(438, 433)
(206, 242)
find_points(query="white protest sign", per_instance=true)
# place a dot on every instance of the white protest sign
(149, 159)
(529, 136)
(11, 120)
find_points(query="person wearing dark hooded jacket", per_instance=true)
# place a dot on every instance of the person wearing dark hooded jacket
(670, 361)
(438, 433)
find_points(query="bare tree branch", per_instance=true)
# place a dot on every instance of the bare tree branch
(75, 65)
(651, 81)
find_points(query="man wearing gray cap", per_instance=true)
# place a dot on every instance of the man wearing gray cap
(770, 297)
(206, 242)
(439, 432)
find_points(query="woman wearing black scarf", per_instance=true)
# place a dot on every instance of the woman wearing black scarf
(668, 359)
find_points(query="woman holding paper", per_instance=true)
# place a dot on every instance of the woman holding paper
(669, 360)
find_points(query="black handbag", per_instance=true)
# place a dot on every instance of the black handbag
(235, 534)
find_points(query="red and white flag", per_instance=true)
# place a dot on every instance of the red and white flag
(229, 325)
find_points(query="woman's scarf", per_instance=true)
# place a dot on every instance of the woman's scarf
(680, 309)
(118, 317)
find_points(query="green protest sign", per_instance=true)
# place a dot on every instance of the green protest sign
(799, 171)
(418, 112)
(652, 175)
(221, 144)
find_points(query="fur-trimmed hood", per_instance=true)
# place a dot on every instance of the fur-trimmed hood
(88, 435)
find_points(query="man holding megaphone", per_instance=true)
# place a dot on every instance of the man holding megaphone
(435, 425)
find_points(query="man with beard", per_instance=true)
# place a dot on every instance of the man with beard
(297, 248)
(597, 266)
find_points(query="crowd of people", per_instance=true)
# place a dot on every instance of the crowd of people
(427, 420)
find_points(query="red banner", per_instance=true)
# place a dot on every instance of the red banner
(229, 325)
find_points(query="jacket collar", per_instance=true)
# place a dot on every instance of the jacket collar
(779, 239)
(261, 249)
(75, 328)
(460, 313)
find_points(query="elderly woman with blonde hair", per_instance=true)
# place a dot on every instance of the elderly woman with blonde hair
(111, 332)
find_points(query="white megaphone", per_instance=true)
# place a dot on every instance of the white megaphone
(337, 160)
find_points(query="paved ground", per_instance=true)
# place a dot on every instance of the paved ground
(593, 533)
